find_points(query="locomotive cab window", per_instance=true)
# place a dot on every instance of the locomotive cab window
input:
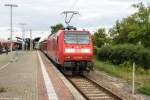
(76, 38)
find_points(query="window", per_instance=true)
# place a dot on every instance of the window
(76, 38)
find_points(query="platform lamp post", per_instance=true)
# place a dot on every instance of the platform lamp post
(23, 33)
(30, 39)
(11, 6)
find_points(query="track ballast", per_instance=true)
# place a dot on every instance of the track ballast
(91, 90)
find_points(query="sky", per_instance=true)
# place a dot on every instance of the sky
(39, 15)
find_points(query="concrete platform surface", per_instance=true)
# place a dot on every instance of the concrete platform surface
(5, 58)
(31, 76)
(18, 79)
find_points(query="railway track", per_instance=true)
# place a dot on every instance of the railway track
(91, 90)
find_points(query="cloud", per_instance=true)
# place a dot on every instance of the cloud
(41, 14)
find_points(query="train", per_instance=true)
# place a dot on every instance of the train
(43, 46)
(6, 44)
(71, 49)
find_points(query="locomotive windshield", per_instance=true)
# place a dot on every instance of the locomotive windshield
(76, 38)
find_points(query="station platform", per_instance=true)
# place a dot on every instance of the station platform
(31, 76)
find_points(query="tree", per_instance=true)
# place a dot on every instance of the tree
(56, 28)
(133, 29)
(99, 37)
(143, 15)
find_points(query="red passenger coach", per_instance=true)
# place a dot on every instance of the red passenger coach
(72, 49)
(6, 44)
(43, 46)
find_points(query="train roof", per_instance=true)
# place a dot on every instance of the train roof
(60, 31)
(72, 31)
(42, 39)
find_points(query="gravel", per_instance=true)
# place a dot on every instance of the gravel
(116, 85)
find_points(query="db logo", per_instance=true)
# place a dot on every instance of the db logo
(77, 47)
(78, 50)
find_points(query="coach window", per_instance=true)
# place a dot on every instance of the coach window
(53, 43)
(57, 39)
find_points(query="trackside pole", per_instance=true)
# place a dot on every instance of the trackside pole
(30, 40)
(133, 79)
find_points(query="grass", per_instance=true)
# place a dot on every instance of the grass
(112, 69)
(126, 73)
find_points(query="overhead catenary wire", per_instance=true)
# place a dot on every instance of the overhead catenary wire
(70, 12)
(73, 4)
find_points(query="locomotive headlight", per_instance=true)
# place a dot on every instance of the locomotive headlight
(69, 50)
(88, 57)
(67, 57)
(85, 50)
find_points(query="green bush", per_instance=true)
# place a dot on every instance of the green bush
(145, 89)
(104, 52)
(95, 49)
(119, 54)
(141, 57)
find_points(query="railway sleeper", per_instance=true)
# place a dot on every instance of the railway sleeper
(96, 92)
(101, 98)
(87, 89)
(85, 85)
(96, 95)
(91, 90)
(83, 82)
(79, 82)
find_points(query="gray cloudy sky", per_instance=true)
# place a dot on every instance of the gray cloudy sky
(39, 15)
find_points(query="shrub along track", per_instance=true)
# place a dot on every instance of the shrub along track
(90, 89)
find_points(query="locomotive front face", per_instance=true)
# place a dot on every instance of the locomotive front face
(78, 45)
(78, 50)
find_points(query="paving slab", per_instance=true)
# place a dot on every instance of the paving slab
(19, 78)
(5, 58)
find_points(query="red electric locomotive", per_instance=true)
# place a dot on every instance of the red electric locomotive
(71, 49)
